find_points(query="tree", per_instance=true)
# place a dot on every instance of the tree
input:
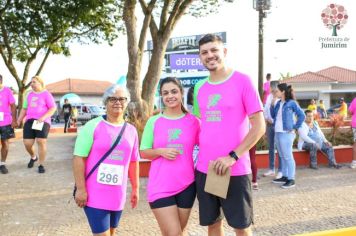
(334, 17)
(160, 17)
(31, 30)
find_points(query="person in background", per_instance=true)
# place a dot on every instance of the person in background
(352, 110)
(266, 87)
(103, 194)
(270, 134)
(312, 107)
(254, 168)
(168, 141)
(66, 110)
(312, 139)
(284, 113)
(342, 111)
(74, 116)
(38, 107)
(190, 96)
(7, 122)
(321, 109)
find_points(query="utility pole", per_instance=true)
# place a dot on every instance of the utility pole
(261, 6)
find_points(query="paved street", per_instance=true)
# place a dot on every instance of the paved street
(41, 205)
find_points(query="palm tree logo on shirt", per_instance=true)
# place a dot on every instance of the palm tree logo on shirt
(173, 134)
(213, 100)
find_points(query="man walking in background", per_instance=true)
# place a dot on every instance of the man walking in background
(66, 110)
(7, 122)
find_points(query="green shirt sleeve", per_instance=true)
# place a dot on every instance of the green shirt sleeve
(196, 110)
(85, 138)
(147, 136)
(25, 102)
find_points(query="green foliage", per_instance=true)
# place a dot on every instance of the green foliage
(28, 26)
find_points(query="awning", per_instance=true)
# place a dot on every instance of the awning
(300, 95)
(339, 91)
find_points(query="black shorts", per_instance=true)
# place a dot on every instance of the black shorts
(29, 133)
(6, 132)
(237, 206)
(184, 199)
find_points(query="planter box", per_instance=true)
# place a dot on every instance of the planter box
(343, 154)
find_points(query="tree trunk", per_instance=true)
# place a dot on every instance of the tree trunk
(154, 71)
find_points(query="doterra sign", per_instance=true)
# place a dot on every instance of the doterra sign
(185, 62)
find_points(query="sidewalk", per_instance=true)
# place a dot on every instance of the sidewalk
(39, 205)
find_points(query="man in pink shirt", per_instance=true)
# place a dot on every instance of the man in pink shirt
(352, 110)
(266, 88)
(227, 103)
(7, 122)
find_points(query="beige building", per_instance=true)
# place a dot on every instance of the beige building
(329, 84)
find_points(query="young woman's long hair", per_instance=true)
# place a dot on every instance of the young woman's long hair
(288, 91)
(175, 81)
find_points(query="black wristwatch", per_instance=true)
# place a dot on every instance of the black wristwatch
(233, 155)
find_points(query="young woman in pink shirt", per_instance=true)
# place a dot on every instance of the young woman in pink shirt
(168, 141)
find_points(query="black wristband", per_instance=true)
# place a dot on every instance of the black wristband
(233, 155)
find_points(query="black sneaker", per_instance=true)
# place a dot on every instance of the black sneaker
(32, 161)
(336, 166)
(281, 180)
(314, 167)
(41, 169)
(289, 184)
(3, 169)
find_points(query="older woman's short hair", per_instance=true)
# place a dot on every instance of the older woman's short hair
(109, 92)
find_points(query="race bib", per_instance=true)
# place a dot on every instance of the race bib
(1, 116)
(110, 174)
(36, 125)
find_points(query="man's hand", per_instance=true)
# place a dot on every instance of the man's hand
(134, 198)
(169, 153)
(81, 197)
(222, 164)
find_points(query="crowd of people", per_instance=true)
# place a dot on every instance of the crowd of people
(226, 119)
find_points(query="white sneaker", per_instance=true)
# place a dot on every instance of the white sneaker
(353, 164)
(279, 175)
(269, 173)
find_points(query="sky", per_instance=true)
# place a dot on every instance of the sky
(297, 20)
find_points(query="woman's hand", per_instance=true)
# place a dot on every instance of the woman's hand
(81, 197)
(169, 153)
(134, 198)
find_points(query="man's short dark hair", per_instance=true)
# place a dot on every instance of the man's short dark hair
(307, 112)
(209, 38)
(0, 77)
(268, 75)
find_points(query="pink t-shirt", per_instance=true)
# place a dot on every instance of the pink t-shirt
(93, 141)
(266, 90)
(224, 109)
(38, 104)
(166, 177)
(352, 109)
(6, 99)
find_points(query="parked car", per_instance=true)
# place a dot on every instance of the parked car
(87, 112)
(333, 109)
